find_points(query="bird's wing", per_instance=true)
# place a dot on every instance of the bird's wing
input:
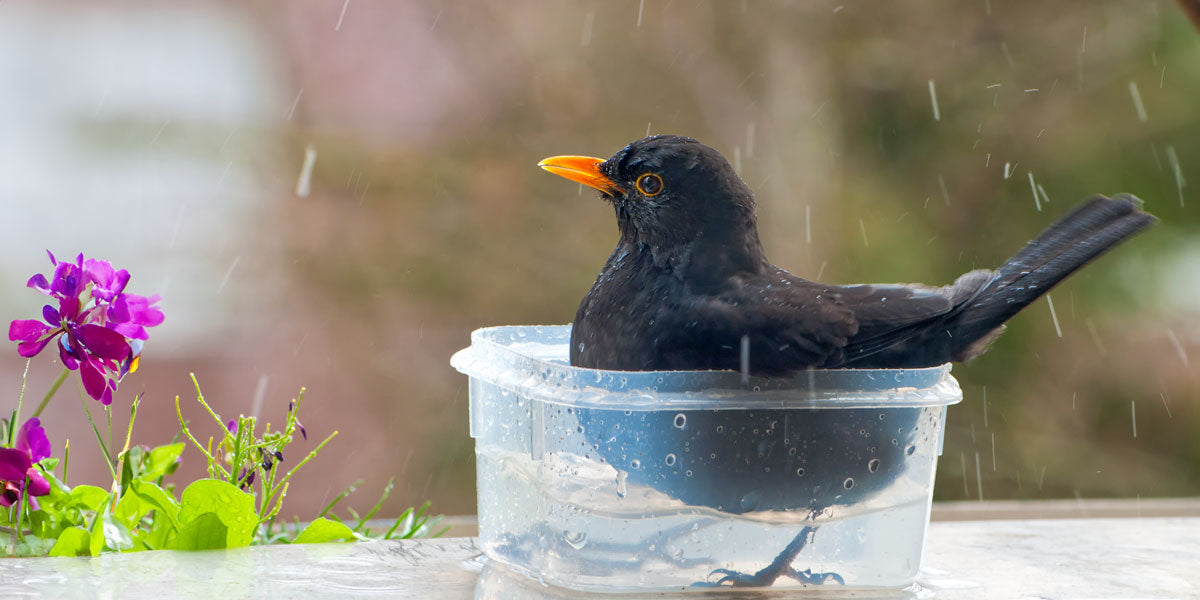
(788, 324)
(889, 315)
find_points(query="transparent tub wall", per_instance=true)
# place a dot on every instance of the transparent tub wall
(552, 504)
(639, 481)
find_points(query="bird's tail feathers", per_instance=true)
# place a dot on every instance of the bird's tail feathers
(1089, 230)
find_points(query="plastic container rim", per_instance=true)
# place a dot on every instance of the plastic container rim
(492, 359)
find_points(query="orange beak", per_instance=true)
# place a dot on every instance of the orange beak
(581, 169)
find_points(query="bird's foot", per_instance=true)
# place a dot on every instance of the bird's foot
(807, 576)
(779, 567)
(768, 577)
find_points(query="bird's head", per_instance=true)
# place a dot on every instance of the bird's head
(668, 191)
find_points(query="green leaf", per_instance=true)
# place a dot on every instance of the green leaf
(157, 499)
(96, 543)
(161, 461)
(160, 534)
(116, 535)
(131, 465)
(205, 532)
(73, 541)
(88, 497)
(45, 522)
(233, 507)
(32, 545)
(323, 530)
(58, 490)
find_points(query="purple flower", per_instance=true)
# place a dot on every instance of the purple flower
(17, 465)
(130, 315)
(109, 283)
(100, 334)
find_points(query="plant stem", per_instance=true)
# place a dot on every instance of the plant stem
(187, 433)
(12, 427)
(123, 456)
(66, 459)
(100, 439)
(50, 392)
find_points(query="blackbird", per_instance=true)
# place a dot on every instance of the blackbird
(688, 287)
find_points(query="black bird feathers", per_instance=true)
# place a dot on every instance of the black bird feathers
(688, 281)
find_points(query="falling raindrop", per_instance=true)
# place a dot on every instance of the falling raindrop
(1137, 101)
(1053, 315)
(588, 20)
(937, 115)
(342, 16)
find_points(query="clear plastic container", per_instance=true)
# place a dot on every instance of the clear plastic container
(616, 481)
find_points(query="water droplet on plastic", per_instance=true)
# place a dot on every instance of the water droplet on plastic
(848, 483)
(910, 449)
(622, 486)
(576, 539)
(800, 472)
(720, 428)
(873, 465)
(635, 464)
(680, 420)
(670, 460)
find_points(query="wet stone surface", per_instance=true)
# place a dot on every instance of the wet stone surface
(1067, 558)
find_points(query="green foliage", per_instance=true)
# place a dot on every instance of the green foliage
(323, 530)
(235, 506)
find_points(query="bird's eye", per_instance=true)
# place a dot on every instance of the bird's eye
(649, 184)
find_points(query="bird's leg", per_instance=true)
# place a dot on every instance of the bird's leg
(779, 567)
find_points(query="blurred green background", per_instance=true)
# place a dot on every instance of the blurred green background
(172, 141)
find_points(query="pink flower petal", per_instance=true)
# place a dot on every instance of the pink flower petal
(38, 486)
(13, 464)
(32, 348)
(39, 283)
(32, 439)
(93, 381)
(102, 342)
(27, 330)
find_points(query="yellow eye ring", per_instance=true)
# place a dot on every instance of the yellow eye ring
(649, 184)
